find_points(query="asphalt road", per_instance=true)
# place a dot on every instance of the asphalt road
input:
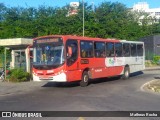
(107, 94)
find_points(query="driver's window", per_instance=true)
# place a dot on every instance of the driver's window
(71, 51)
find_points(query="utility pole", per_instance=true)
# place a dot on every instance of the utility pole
(83, 16)
(5, 62)
(93, 6)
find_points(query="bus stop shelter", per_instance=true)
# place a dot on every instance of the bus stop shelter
(19, 52)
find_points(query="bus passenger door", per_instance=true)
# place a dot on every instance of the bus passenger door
(72, 60)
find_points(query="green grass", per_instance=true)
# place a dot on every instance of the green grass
(150, 63)
(154, 86)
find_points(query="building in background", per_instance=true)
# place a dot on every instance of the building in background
(73, 8)
(152, 46)
(152, 14)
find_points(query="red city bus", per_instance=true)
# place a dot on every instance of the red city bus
(67, 58)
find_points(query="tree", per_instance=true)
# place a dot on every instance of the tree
(109, 19)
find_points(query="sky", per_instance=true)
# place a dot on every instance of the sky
(60, 3)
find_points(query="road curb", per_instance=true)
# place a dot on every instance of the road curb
(149, 69)
(144, 85)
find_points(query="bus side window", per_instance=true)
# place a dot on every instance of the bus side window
(99, 48)
(133, 49)
(118, 49)
(110, 49)
(126, 49)
(86, 49)
(140, 49)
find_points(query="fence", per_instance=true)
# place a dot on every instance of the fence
(2, 61)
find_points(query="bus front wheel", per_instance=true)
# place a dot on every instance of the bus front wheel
(126, 73)
(85, 79)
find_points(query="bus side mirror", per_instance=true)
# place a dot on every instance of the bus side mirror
(69, 54)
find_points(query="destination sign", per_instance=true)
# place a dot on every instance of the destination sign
(48, 40)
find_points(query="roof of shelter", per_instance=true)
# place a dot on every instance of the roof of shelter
(16, 42)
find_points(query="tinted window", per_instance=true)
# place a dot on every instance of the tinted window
(110, 49)
(99, 48)
(71, 44)
(118, 49)
(86, 49)
(140, 50)
(133, 50)
(126, 49)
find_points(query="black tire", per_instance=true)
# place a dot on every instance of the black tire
(126, 73)
(85, 79)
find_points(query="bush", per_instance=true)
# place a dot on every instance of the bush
(156, 59)
(18, 75)
(150, 63)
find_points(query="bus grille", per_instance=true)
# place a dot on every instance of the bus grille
(50, 78)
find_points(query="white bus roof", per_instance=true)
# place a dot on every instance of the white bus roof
(125, 41)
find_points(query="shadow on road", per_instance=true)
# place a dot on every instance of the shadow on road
(157, 77)
(136, 73)
(95, 81)
(102, 80)
(59, 84)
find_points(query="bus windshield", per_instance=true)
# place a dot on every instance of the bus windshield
(48, 55)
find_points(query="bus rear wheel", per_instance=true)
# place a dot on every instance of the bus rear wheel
(126, 73)
(85, 79)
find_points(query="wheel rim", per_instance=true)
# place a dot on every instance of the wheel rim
(85, 78)
(126, 73)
